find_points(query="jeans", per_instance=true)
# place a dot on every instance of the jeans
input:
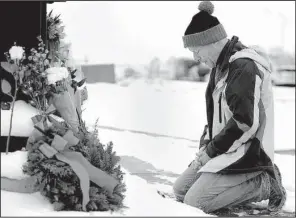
(210, 191)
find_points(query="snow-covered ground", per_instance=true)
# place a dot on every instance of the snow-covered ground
(155, 129)
(141, 197)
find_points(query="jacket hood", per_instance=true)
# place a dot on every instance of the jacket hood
(256, 54)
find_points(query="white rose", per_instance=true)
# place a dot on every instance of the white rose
(16, 52)
(55, 74)
(46, 62)
(64, 71)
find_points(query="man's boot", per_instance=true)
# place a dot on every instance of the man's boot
(278, 193)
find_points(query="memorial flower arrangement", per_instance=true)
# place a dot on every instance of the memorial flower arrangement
(69, 164)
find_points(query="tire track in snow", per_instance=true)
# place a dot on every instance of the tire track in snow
(146, 133)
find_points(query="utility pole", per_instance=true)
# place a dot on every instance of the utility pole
(86, 59)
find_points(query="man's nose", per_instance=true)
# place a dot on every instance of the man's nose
(197, 58)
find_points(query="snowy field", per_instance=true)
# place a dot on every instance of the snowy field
(155, 129)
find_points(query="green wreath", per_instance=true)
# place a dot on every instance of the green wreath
(60, 185)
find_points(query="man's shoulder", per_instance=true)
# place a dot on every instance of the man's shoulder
(246, 66)
(242, 63)
(243, 68)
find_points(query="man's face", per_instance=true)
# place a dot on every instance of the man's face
(204, 54)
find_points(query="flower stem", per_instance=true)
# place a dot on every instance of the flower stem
(11, 116)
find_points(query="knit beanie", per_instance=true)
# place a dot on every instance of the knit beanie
(204, 28)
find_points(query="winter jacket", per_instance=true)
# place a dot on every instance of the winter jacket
(239, 136)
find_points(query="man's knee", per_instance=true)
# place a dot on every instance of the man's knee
(179, 188)
(200, 201)
(184, 181)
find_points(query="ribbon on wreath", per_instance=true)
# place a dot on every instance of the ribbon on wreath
(41, 122)
(85, 171)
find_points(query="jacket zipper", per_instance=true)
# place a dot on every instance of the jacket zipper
(220, 112)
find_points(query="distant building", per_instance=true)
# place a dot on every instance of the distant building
(96, 73)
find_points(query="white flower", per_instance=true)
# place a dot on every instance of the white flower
(62, 35)
(60, 29)
(46, 62)
(35, 59)
(55, 74)
(16, 52)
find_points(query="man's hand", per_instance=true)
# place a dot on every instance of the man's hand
(202, 157)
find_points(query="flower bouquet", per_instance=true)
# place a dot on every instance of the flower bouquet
(68, 164)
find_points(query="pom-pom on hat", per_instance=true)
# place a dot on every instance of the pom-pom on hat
(204, 28)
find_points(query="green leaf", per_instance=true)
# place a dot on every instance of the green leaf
(50, 13)
(11, 68)
(80, 83)
(6, 87)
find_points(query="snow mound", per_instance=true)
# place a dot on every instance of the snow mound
(11, 164)
(141, 198)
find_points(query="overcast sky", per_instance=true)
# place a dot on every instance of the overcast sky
(135, 32)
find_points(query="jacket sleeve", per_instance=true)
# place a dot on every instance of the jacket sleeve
(242, 97)
(205, 138)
